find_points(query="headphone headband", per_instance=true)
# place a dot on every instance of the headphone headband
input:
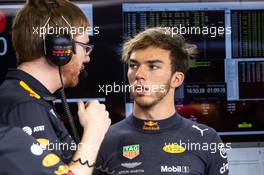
(52, 4)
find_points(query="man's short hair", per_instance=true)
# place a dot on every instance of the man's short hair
(180, 51)
(27, 43)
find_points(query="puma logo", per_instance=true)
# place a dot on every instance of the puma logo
(199, 129)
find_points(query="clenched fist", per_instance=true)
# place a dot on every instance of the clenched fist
(94, 117)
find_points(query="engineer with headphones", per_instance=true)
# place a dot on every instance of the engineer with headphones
(47, 63)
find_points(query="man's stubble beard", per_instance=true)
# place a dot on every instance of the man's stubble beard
(71, 77)
(158, 96)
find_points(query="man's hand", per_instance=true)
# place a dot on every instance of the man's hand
(95, 121)
(94, 117)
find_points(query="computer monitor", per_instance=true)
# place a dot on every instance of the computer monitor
(224, 86)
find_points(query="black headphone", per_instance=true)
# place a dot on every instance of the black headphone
(58, 48)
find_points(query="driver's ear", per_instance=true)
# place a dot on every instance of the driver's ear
(177, 79)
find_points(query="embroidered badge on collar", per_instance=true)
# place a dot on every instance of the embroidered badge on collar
(151, 125)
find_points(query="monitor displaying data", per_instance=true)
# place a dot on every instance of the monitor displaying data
(224, 86)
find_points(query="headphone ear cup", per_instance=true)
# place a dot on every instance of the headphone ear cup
(59, 49)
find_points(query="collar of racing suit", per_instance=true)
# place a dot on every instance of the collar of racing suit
(155, 126)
